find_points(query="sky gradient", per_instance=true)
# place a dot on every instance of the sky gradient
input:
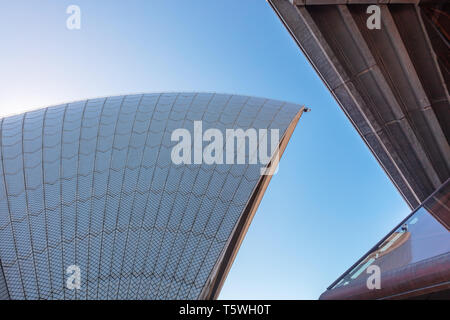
(330, 201)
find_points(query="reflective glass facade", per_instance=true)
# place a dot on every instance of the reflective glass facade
(92, 184)
(419, 238)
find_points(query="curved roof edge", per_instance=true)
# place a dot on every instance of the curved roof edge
(220, 272)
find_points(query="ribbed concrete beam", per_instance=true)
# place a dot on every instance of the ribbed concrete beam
(389, 49)
(436, 77)
(426, 148)
(335, 2)
(380, 85)
(418, 44)
(380, 103)
(306, 33)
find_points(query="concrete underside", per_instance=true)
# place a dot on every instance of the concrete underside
(392, 83)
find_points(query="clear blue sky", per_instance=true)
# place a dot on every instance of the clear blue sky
(330, 201)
